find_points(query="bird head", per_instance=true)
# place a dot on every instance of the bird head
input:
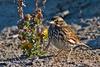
(56, 20)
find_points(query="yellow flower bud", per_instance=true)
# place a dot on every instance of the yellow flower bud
(45, 33)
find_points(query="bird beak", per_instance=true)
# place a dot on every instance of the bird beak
(52, 22)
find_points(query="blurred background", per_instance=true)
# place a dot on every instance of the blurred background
(79, 9)
(84, 17)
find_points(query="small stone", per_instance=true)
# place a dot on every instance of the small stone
(82, 65)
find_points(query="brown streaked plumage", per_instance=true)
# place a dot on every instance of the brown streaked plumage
(60, 30)
(62, 35)
(70, 35)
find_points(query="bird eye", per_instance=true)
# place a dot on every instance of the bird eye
(56, 21)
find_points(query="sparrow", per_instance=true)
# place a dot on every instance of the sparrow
(63, 36)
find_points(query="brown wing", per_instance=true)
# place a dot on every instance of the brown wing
(71, 36)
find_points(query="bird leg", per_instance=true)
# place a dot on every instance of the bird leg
(68, 59)
(56, 57)
(58, 52)
(72, 49)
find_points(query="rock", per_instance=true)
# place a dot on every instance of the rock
(2, 64)
(82, 65)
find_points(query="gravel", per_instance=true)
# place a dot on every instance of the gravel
(11, 54)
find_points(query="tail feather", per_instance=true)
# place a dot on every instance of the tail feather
(82, 45)
(88, 49)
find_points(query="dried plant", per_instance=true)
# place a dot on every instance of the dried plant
(20, 8)
(37, 4)
(43, 2)
(32, 33)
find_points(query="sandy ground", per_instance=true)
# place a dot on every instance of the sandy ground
(12, 56)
